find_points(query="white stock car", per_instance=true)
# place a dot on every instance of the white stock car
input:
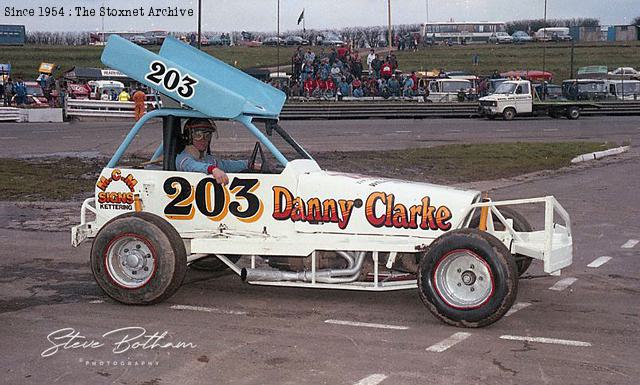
(296, 224)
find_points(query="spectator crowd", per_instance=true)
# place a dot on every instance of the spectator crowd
(339, 72)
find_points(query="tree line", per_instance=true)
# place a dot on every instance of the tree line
(361, 36)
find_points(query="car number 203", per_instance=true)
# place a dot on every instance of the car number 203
(212, 199)
(171, 79)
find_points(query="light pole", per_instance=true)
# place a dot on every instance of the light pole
(544, 47)
(199, 23)
(426, 5)
(278, 41)
(390, 37)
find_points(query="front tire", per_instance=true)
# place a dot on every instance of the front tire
(467, 278)
(139, 259)
(509, 113)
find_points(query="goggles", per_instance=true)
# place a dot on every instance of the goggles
(201, 134)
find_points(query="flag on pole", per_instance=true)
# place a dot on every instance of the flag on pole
(301, 17)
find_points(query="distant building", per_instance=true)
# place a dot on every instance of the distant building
(587, 33)
(605, 33)
(622, 33)
(12, 35)
(462, 32)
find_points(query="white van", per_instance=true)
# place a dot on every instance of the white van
(99, 86)
(553, 34)
(446, 90)
(624, 89)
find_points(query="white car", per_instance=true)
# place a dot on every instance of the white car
(292, 223)
(500, 38)
(626, 72)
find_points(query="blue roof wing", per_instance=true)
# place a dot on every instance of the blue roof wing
(259, 95)
(203, 92)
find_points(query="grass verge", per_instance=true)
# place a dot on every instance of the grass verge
(25, 60)
(64, 179)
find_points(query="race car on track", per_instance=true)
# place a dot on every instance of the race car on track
(288, 222)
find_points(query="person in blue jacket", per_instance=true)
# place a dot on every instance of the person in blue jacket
(197, 157)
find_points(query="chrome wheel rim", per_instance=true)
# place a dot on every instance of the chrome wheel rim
(463, 280)
(130, 262)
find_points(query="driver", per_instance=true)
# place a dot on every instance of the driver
(197, 157)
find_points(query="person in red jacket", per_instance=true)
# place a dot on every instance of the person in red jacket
(386, 71)
(309, 86)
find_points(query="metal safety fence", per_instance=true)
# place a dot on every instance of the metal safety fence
(398, 109)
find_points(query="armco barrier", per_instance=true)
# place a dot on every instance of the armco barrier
(102, 108)
(11, 114)
(400, 109)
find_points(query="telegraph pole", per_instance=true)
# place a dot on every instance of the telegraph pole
(544, 47)
(199, 24)
(426, 4)
(278, 41)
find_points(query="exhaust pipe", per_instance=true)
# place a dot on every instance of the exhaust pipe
(350, 274)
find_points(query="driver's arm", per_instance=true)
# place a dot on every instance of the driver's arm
(233, 165)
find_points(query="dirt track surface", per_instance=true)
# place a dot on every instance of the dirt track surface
(257, 335)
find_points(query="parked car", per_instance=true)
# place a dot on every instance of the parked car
(35, 95)
(156, 37)
(250, 43)
(331, 39)
(98, 87)
(273, 40)
(447, 90)
(204, 40)
(494, 83)
(553, 34)
(548, 91)
(584, 89)
(219, 40)
(624, 89)
(592, 72)
(521, 37)
(500, 38)
(624, 72)
(296, 40)
(140, 40)
(78, 91)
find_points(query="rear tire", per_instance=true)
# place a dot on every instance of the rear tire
(573, 113)
(467, 278)
(139, 259)
(509, 113)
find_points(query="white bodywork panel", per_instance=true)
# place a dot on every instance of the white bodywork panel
(304, 209)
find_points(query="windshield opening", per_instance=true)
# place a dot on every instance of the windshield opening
(506, 88)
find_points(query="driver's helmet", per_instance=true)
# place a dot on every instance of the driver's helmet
(196, 128)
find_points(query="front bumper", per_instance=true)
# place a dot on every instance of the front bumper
(553, 245)
(85, 229)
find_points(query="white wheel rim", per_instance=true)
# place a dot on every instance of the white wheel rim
(130, 262)
(463, 280)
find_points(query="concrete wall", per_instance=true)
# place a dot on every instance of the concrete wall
(41, 115)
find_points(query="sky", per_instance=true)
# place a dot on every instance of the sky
(261, 15)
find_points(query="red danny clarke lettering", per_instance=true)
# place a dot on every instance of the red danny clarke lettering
(380, 210)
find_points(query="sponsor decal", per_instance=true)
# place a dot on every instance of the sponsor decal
(380, 210)
(117, 200)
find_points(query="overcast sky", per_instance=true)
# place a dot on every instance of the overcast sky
(260, 15)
